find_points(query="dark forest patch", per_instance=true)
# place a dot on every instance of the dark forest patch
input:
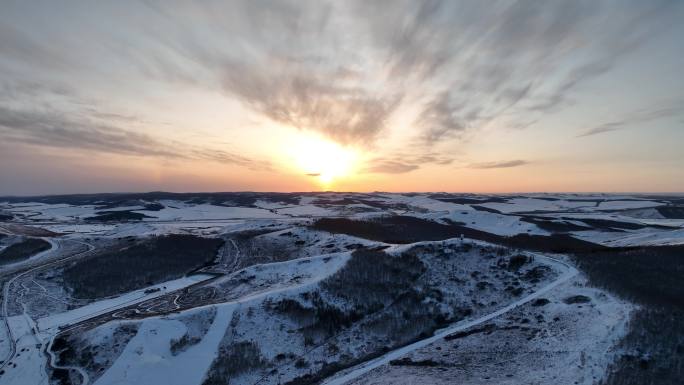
(148, 262)
(575, 299)
(671, 212)
(651, 276)
(554, 226)
(409, 362)
(406, 229)
(469, 201)
(245, 199)
(233, 360)
(486, 329)
(486, 209)
(383, 292)
(368, 202)
(395, 229)
(607, 224)
(154, 206)
(23, 250)
(540, 302)
(371, 279)
(111, 216)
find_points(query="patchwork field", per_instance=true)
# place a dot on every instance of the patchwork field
(341, 288)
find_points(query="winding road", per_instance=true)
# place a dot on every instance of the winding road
(56, 245)
(342, 377)
(348, 375)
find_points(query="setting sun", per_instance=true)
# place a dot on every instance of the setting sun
(321, 158)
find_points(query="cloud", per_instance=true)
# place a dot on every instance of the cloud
(632, 119)
(56, 130)
(403, 163)
(390, 167)
(310, 101)
(225, 157)
(347, 70)
(344, 69)
(499, 164)
(439, 119)
(512, 60)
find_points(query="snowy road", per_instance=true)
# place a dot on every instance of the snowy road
(56, 245)
(353, 373)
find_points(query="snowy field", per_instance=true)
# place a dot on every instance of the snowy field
(366, 300)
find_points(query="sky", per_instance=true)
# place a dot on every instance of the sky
(265, 95)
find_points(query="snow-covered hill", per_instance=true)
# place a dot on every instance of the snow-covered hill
(393, 288)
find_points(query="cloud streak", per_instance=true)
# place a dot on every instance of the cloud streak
(635, 118)
(347, 67)
(56, 130)
(404, 163)
(499, 164)
(412, 82)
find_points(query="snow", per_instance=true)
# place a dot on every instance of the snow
(30, 361)
(80, 228)
(646, 237)
(61, 212)
(531, 204)
(353, 373)
(307, 210)
(575, 348)
(307, 270)
(174, 210)
(623, 205)
(431, 204)
(121, 208)
(103, 306)
(495, 223)
(647, 213)
(147, 358)
(269, 205)
(54, 246)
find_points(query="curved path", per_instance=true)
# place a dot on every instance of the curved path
(54, 245)
(355, 372)
(53, 359)
(6, 292)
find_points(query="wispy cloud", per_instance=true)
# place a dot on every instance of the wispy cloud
(347, 67)
(312, 101)
(348, 70)
(57, 130)
(633, 119)
(225, 157)
(403, 163)
(499, 164)
(385, 166)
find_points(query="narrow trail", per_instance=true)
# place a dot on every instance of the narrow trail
(84, 375)
(355, 372)
(56, 245)
(236, 261)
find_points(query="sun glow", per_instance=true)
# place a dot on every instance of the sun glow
(322, 159)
